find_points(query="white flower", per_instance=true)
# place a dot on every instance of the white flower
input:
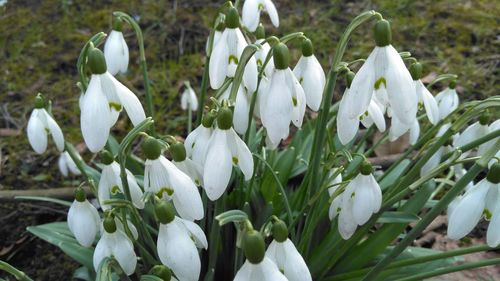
(161, 176)
(260, 57)
(217, 36)
(110, 181)
(225, 148)
(266, 270)
(468, 210)
(435, 159)
(427, 100)
(414, 132)
(383, 68)
(312, 78)
(100, 106)
(189, 100)
(289, 261)
(361, 198)
(241, 108)
(118, 246)
(177, 249)
(197, 143)
(192, 169)
(66, 165)
(471, 133)
(116, 52)
(333, 187)
(225, 58)
(282, 102)
(84, 222)
(493, 232)
(251, 13)
(447, 102)
(40, 125)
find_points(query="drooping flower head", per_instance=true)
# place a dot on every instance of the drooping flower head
(40, 125)
(83, 219)
(425, 98)
(226, 55)
(252, 10)
(447, 100)
(186, 165)
(116, 49)
(241, 107)
(188, 98)
(102, 102)
(283, 101)
(261, 53)
(67, 165)
(196, 143)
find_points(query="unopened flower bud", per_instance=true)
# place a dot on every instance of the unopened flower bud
(178, 151)
(281, 56)
(416, 71)
(39, 101)
(232, 18)
(106, 157)
(307, 48)
(382, 32)
(151, 148)
(485, 118)
(164, 211)
(260, 33)
(96, 61)
(225, 118)
(280, 231)
(162, 272)
(80, 195)
(493, 175)
(254, 246)
(109, 224)
(366, 168)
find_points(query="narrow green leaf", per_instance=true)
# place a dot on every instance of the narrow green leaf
(150, 278)
(397, 217)
(231, 216)
(244, 58)
(45, 199)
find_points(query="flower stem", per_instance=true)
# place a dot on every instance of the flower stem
(19, 275)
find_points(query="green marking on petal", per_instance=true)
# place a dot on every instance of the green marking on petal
(233, 58)
(169, 191)
(235, 160)
(420, 105)
(259, 62)
(47, 131)
(115, 189)
(353, 194)
(261, 7)
(380, 81)
(487, 214)
(301, 79)
(294, 101)
(115, 106)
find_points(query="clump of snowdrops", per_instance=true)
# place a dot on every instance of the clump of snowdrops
(275, 181)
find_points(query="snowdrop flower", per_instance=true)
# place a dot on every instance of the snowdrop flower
(447, 101)
(347, 127)
(188, 98)
(170, 183)
(467, 211)
(283, 101)
(83, 219)
(361, 198)
(227, 53)
(473, 132)
(241, 108)
(175, 247)
(217, 35)
(257, 266)
(116, 49)
(111, 183)
(102, 102)
(40, 125)
(284, 254)
(196, 143)
(435, 159)
(310, 75)
(66, 165)
(224, 149)
(261, 54)
(383, 68)
(334, 186)
(251, 13)
(425, 98)
(114, 243)
(186, 165)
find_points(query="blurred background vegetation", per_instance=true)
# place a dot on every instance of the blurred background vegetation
(40, 42)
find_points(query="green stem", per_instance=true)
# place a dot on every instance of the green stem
(19, 275)
(189, 119)
(81, 64)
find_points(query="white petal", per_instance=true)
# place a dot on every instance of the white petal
(63, 167)
(430, 103)
(298, 99)
(217, 68)
(493, 233)
(102, 249)
(467, 213)
(192, 169)
(95, 116)
(376, 115)
(267, 271)
(241, 111)
(295, 266)
(397, 129)
(135, 191)
(200, 147)
(447, 102)
(196, 233)
(55, 131)
(218, 165)
(432, 163)
(131, 103)
(414, 132)
(273, 13)
(245, 272)
(190, 141)
(116, 53)
(123, 251)
(241, 153)
(37, 135)
(347, 225)
(312, 78)
(346, 127)
(84, 222)
(251, 14)
(363, 201)
(276, 107)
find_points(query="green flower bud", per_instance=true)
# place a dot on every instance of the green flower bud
(106, 157)
(307, 48)
(485, 118)
(493, 175)
(208, 120)
(260, 33)
(80, 194)
(366, 168)
(178, 151)
(281, 56)
(109, 224)
(349, 77)
(161, 271)
(151, 148)
(452, 84)
(96, 61)
(225, 118)
(39, 101)
(164, 211)
(280, 231)
(117, 24)
(416, 71)
(254, 246)
(382, 32)
(232, 18)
